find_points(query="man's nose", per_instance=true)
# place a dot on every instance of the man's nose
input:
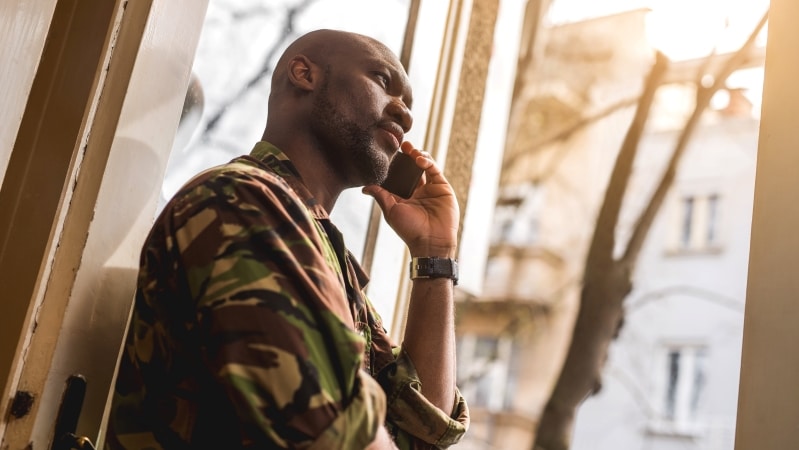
(402, 114)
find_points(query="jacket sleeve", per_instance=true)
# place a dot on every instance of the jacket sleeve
(415, 422)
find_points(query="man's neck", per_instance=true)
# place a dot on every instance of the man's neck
(317, 175)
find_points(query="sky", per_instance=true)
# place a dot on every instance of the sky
(683, 29)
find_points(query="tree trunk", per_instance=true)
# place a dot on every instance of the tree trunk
(607, 281)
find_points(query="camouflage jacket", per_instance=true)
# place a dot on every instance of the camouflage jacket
(250, 328)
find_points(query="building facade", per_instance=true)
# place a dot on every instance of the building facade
(672, 376)
(671, 380)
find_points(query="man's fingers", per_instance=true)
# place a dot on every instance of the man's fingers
(384, 198)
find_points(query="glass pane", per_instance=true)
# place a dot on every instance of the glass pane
(687, 221)
(712, 218)
(673, 381)
(698, 379)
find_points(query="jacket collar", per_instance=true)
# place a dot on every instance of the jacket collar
(275, 160)
(266, 154)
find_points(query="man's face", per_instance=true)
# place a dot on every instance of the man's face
(361, 113)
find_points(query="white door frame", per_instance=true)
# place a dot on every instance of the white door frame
(75, 316)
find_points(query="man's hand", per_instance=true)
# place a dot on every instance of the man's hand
(428, 221)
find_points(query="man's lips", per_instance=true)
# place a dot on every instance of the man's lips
(395, 132)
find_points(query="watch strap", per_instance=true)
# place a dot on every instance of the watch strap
(434, 267)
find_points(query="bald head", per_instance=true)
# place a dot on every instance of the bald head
(325, 47)
(307, 64)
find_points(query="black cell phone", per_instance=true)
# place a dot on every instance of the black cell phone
(403, 175)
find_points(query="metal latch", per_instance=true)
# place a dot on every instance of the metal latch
(66, 423)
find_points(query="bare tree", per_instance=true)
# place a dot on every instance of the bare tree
(287, 34)
(607, 280)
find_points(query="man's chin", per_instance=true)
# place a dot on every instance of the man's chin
(376, 177)
(380, 179)
(371, 166)
(379, 169)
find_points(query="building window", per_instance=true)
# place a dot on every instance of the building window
(517, 215)
(697, 226)
(486, 371)
(687, 221)
(712, 221)
(498, 276)
(505, 216)
(681, 382)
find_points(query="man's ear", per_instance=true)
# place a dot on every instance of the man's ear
(302, 73)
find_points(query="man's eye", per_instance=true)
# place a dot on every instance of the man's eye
(383, 78)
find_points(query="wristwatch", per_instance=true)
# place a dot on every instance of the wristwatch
(434, 267)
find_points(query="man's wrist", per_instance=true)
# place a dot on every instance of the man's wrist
(438, 251)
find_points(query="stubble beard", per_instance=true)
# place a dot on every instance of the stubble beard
(351, 151)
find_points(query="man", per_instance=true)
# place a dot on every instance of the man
(250, 328)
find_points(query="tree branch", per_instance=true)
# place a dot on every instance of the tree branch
(532, 49)
(703, 97)
(566, 132)
(604, 239)
(265, 70)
